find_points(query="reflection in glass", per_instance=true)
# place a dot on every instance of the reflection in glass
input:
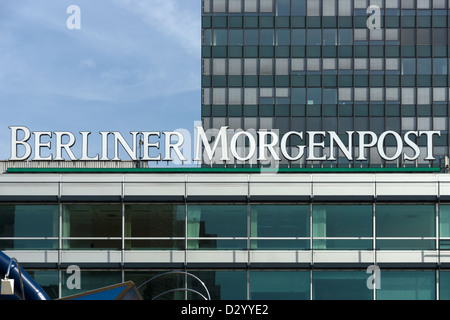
(279, 285)
(342, 221)
(407, 285)
(341, 285)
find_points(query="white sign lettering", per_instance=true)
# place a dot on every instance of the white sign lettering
(223, 144)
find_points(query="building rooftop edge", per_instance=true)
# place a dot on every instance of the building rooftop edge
(223, 170)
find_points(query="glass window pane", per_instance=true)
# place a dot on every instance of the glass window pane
(154, 220)
(220, 37)
(266, 5)
(279, 220)
(342, 220)
(406, 220)
(314, 96)
(341, 285)
(92, 220)
(298, 96)
(408, 66)
(219, 5)
(28, 220)
(313, 8)
(299, 8)
(423, 36)
(267, 37)
(234, 6)
(236, 37)
(250, 66)
(444, 220)
(227, 285)
(18, 220)
(47, 280)
(407, 285)
(298, 37)
(330, 37)
(314, 37)
(440, 66)
(235, 67)
(408, 37)
(345, 36)
(219, 67)
(279, 285)
(211, 221)
(345, 7)
(283, 7)
(250, 6)
(251, 37)
(330, 96)
(329, 8)
(283, 37)
(444, 285)
(424, 66)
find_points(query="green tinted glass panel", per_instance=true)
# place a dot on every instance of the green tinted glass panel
(29, 244)
(92, 244)
(217, 220)
(222, 285)
(444, 285)
(406, 244)
(342, 220)
(341, 285)
(405, 220)
(164, 244)
(92, 220)
(342, 244)
(444, 220)
(407, 285)
(154, 220)
(28, 220)
(219, 244)
(279, 285)
(280, 244)
(157, 282)
(47, 280)
(279, 220)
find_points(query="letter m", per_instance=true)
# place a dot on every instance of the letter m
(202, 139)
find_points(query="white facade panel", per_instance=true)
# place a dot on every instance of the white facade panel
(291, 256)
(339, 256)
(154, 256)
(417, 256)
(28, 189)
(28, 256)
(217, 256)
(94, 256)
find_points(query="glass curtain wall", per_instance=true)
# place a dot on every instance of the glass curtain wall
(315, 65)
(226, 226)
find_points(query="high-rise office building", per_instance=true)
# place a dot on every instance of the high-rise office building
(330, 65)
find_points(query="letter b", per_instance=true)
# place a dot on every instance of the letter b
(15, 143)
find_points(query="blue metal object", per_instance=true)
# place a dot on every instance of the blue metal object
(121, 291)
(31, 290)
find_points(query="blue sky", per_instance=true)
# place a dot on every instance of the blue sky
(134, 65)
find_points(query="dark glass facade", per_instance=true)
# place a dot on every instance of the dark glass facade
(309, 65)
(227, 226)
(251, 227)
